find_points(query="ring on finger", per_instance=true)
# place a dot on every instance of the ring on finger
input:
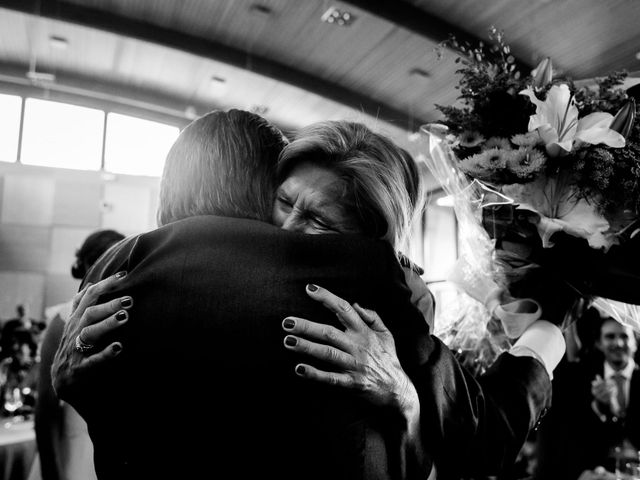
(83, 347)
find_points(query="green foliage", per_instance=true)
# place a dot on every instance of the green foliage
(491, 108)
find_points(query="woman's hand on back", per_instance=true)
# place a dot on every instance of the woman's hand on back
(77, 357)
(364, 354)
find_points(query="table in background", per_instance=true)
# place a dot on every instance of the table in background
(17, 448)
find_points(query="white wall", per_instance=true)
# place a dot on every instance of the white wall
(45, 215)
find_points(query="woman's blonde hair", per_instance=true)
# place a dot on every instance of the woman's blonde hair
(384, 188)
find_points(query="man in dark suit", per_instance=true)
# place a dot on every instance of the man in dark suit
(596, 408)
(204, 386)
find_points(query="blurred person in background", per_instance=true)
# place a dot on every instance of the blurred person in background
(22, 322)
(595, 417)
(19, 374)
(64, 445)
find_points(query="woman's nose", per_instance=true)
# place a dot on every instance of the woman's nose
(293, 223)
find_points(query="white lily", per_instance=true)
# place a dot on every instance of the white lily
(557, 123)
(556, 207)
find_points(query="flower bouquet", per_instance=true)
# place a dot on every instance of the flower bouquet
(545, 177)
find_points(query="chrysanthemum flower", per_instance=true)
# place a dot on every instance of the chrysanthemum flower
(497, 142)
(524, 162)
(494, 158)
(487, 165)
(470, 138)
(529, 139)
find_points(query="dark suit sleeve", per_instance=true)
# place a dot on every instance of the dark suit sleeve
(478, 426)
(470, 426)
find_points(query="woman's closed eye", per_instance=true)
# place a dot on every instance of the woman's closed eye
(321, 224)
(284, 203)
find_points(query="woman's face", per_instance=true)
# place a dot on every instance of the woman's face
(310, 201)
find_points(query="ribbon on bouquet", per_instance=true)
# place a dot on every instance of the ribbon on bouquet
(515, 314)
(473, 270)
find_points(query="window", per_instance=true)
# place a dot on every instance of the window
(62, 135)
(10, 107)
(137, 147)
(441, 238)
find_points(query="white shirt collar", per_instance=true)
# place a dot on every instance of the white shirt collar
(626, 371)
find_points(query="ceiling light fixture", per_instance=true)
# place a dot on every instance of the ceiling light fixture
(259, 9)
(218, 85)
(335, 16)
(190, 112)
(56, 41)
(419, 72)
(259, 109)
(41, 77)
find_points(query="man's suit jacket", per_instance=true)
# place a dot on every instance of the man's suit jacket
(573, 438)
(204, 383)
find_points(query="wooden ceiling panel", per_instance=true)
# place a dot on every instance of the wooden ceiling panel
(297, 67)
(585, 38)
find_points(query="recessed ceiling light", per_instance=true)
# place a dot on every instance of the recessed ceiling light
(56, 41)
(190, 112)
(259, 109)
(339, 17)
(638, 56)
(40, 76)
(260, 9)
(419, 72)
(218, 85)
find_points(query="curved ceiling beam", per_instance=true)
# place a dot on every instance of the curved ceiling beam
(420, 22)
(128, 27)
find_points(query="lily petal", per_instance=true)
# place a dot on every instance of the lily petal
(548, 134)
(595, 120)
(558, 99)
(543, 73)
(555, 208)
(601, 135)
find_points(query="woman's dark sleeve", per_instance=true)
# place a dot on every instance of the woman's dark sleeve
(470, 426)
(478, 426)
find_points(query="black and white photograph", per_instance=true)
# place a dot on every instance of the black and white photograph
(319, 240)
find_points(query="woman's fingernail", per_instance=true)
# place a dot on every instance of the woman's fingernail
(126, 302)
(121, 316)
(300, 369)
(121, 274)
(288, 323)
(290, 341)
(117, 348)
(312, 288)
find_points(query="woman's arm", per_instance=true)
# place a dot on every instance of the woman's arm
(488, 419)
(366, 355)
(421, 296)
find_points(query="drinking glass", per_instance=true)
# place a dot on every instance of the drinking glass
(627, 464)
(12, 400)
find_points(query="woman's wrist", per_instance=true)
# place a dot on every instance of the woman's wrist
(407, 402)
